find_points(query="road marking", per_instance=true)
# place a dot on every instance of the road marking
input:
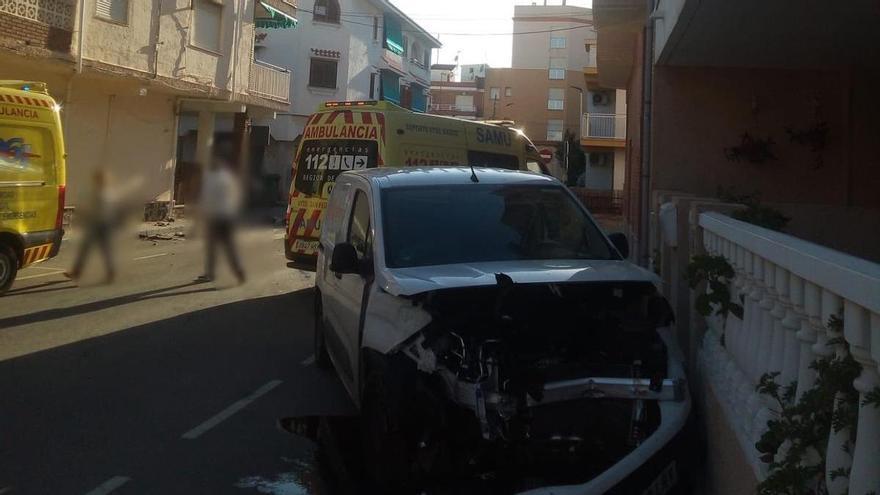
(278, 237)
(308, 361)
(110, 485)
(42, 268)
(56, 272)
(229, 411)
(150, 256)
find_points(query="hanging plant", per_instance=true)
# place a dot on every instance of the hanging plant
(814, 137)
(717, 273)
(751, 149)
(805, 425)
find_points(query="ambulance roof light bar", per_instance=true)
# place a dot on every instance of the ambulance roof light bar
(336, 104)
(32, 86)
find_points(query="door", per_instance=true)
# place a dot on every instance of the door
(348, 289)
(28, 178)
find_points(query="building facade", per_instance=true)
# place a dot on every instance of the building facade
(380, 53)
(453, 98)
(552, 87)
(123, 71)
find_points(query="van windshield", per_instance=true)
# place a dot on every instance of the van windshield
(321, 161)
(439, 225)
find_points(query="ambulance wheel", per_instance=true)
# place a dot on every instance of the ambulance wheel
(8, 267)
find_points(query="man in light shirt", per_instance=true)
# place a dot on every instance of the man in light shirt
(220, 204)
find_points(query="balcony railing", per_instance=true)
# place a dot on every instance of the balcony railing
(449, 107)
(269, 81)
(789, 290)
(604, 126)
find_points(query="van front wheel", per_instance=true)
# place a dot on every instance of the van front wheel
(8, 268)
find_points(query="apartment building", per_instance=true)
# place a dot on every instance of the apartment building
(552, 87)
(123, 71)
(343, 50)
(452, 98)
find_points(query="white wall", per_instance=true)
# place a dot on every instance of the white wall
(532, 51)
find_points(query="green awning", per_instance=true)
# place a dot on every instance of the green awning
(276, 19)
(393, 35)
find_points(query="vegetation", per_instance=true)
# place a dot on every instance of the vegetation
(717, 273)
(754, 212)
(803, 426)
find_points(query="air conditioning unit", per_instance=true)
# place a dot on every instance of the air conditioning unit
(600, 159)
(601, 99)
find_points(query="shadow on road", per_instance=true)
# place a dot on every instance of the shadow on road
(118, 405)
(40, 288)
(55, 313)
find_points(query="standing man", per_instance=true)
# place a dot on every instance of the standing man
(100, 217)
(221, 201)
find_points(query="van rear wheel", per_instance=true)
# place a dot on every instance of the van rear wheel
(8, 268)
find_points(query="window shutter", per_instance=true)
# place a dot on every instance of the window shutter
(116, 10)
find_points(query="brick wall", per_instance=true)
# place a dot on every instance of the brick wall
(35, 34)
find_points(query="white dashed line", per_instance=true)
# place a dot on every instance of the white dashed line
(229, 411)
(308, 361)
(110, 485)
(28, 277)
(150, 256)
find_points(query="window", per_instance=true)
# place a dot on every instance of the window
(112, 10)
(557, 38)
(464, 103)
(374, 86)
(359, 234)
(326, 11)
(557, 67)
(436, 225)
(494, 93)
(207, 20)
(508, 92)
(322, 73)
(28, 154)
(554, 130)
(556, 99)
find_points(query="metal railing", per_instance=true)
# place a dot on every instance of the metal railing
(269, 81)
(600, 201)
(604, 126)
(449, 107)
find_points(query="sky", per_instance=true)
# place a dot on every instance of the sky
(445, 18)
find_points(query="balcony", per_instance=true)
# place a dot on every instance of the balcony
(269, 81)
(452, 108)
(603, 130)
(39, 24)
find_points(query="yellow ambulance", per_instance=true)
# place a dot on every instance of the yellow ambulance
(32, 177)
(354, 135)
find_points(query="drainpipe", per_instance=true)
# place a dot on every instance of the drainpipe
(643, 256)
(81, 37)
(237, 12)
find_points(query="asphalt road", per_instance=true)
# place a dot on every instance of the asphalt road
(156, 384)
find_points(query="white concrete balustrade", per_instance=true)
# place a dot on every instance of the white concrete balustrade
(789, 289)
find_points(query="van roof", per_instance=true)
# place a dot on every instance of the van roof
(390, 177)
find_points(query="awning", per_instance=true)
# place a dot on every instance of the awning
(393, 35)
(275, 19)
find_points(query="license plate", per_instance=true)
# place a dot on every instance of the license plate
(665, 481)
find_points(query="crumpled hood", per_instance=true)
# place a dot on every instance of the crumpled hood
(416, 280)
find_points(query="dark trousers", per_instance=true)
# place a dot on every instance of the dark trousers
(99, 234)
(220, 233)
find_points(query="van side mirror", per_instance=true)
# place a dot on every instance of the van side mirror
(344, 259)
(620, 242)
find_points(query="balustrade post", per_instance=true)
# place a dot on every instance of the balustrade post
(747, 397)
(790, 324)
(810, 325)
(835, 455)
(777, 348)
(863, 333)
(767, 358)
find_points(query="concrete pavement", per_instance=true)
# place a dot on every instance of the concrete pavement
(159, 385)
